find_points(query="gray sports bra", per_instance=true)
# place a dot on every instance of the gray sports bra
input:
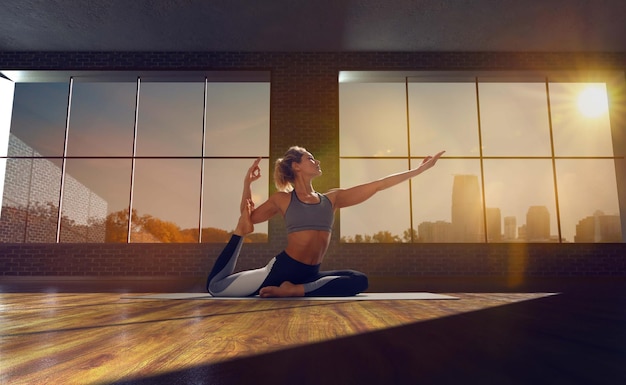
(309, 216)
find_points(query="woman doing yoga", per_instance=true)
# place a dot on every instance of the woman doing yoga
(309, 216)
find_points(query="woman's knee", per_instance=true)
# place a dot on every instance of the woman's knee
(361, 281)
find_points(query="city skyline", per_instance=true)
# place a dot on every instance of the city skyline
(468, 224)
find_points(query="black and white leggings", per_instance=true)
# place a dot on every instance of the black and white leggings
(223, 283)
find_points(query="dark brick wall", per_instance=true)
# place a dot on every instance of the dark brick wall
(304, 111)
(515, 261)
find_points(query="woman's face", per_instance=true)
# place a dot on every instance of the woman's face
(309, 165)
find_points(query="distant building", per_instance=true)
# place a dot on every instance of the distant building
(494, 225)
(31, 202)
(538, 224)
(467, 216)
(599, 228)
(510, 228)
(435, 232)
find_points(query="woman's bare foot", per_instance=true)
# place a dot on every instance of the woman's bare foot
(286, 289)
(244, 225)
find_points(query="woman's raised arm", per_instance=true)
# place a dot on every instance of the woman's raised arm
(266, 210)
(253, 174)
(358, 194)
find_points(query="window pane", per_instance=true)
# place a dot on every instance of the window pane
(39, 111)
(384, 217)
(7, 89)
(372, 119)
(102, 119)
(31, 201)
(170, 119)
(514, 119)
(447, 203)
(588, 200)
(222, 196)
(580, 119)
(237, 119)
(443, 116)
(95, 200)
(166, 200)
(523, 191)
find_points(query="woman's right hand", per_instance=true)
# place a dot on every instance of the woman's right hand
(254, 172)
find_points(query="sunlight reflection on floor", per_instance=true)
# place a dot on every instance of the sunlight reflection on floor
(96, 337)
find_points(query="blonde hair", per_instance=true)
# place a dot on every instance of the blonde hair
(283, 173)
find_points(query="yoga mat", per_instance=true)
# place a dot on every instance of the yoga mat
(360, 297)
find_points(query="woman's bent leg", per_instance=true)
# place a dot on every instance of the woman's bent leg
(338, 283)
(242, 284)
(289, 274)
(226, 261)
(223, 283)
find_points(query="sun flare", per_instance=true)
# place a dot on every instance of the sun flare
(593, 102)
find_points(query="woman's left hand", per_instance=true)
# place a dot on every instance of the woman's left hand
(430, 161)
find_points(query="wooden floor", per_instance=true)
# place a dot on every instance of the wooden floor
(80, 332)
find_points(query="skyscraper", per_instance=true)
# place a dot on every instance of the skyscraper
(538, 223)
(434, 231)
(494, 224)
(599, 228)
(510, 228)
(467, 215)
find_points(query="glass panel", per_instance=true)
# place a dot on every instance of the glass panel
(443, 116)
(222, 179)
(372, 119)
(580, 119)
(170, 119)
(102, 119)
(166, 200)
(39, 111)
(523, 191)
(514, 119)
(7, 89)
(95, 200)
(31, 201)
(384, 218)
(238, 120)
(447, 202)
(588, 200)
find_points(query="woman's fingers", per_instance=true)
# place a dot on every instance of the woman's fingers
(254, 172)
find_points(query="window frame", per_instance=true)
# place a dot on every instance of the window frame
(136, 77)
(615, 85)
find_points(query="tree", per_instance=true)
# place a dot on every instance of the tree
(117, 226)
(382, 236)
(385, 237)
(214, 235)
(409, 235)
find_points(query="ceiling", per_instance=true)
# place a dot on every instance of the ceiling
(313, 25)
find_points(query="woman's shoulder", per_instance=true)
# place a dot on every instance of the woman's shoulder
(281, 199)
(332, 194)
(281, 195)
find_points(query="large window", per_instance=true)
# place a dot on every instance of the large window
(123, 157)
(528, 159)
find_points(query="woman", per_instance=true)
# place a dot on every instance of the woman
(309, 219)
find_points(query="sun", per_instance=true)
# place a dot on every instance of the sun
(592, 101)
